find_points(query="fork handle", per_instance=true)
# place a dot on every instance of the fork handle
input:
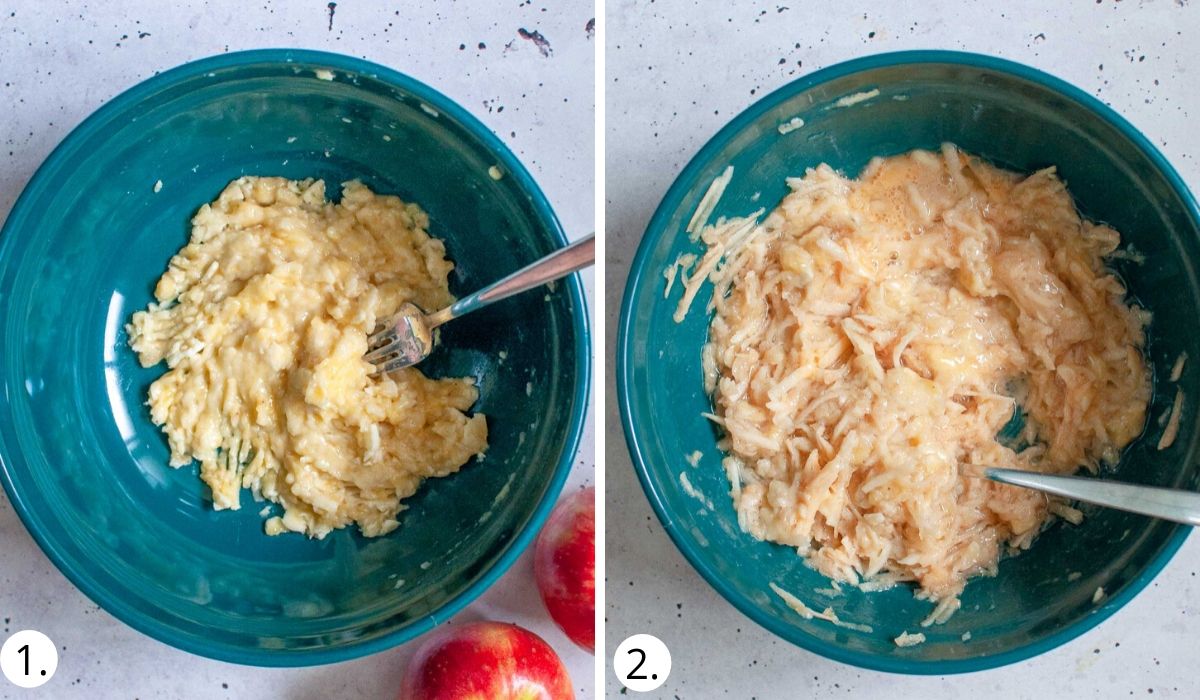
(1176, 505)
(560, 263)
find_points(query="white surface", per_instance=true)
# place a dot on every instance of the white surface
(677, 71)
(60, 60)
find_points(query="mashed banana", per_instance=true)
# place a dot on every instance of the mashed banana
(263, 320)
(872, 335)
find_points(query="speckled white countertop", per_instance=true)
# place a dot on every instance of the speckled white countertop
(61, 59)
(677, 71)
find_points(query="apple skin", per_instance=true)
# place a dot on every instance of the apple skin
(564, 563)
(486, 661)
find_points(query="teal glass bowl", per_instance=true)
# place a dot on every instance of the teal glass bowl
(87, 470)
(1017, 118)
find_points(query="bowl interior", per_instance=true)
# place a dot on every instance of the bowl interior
(1018, 119)
(88, 469)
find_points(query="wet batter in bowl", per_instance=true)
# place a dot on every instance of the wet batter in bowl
(871, 335)
(262, 320)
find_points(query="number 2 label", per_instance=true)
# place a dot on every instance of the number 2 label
(642, 663)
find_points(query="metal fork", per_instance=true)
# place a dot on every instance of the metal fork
(1176, 505)
(406, 337)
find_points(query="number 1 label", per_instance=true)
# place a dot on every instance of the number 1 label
(28, 659)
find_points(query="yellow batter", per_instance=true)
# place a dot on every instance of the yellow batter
(263, 320)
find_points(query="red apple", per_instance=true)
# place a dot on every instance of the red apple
(564, 561)
(486, 661)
